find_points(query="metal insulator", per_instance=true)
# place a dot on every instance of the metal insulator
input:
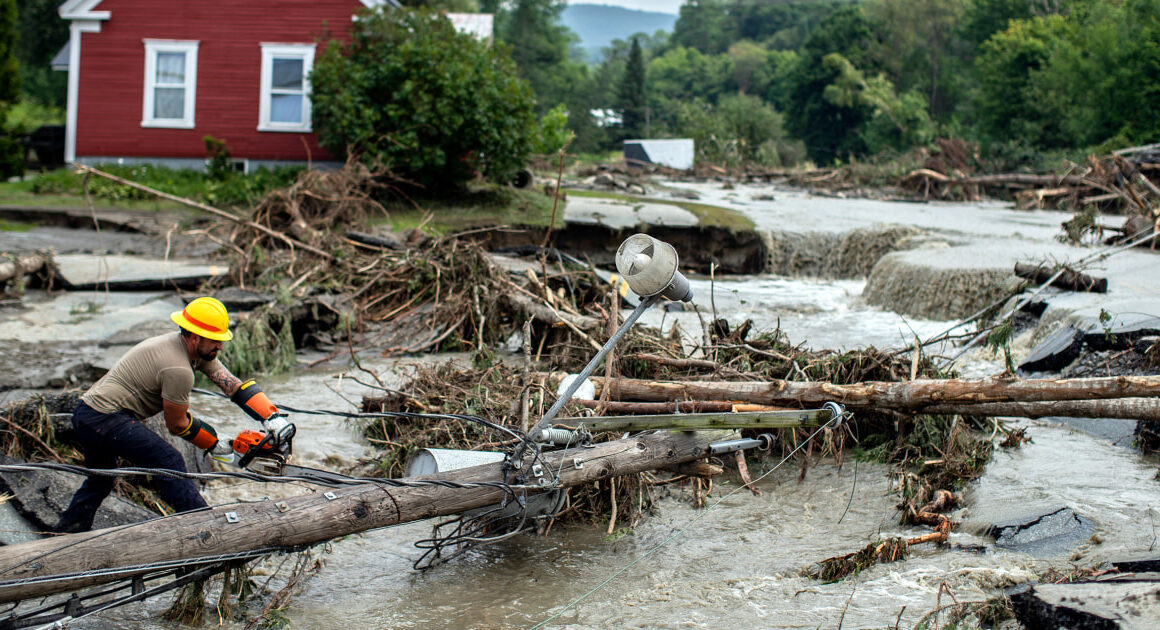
(558, 436)
(837, 413)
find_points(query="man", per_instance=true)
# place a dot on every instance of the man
(155, 376)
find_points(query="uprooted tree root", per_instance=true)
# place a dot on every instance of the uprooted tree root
(890, 549)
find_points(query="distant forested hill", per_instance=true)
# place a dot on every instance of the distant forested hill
(599, 24)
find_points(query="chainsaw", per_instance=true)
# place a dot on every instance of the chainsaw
(268, 453)
(262, 451)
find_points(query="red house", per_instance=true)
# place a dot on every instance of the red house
(149, 79)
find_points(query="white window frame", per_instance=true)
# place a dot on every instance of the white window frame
(152, 48)
(305, 52)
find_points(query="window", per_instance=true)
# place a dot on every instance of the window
(170, 83)
(285, 104)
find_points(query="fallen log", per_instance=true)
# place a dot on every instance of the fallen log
(907, 395)
(551, 316)
(21, 264)
(1069, 279)
(67, 563)
(1123, 408)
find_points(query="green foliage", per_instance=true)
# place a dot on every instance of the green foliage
(894, 122)
(429, 103)
(553, 131)
(235, 190)
(1075, 80)
(917, 45)
(999, 340)
(703, 25)
(830, 130)
(262, 344)
(218, 167)
(739, 130)
(27, 116)
(11, 151)
(686, 73)
(42, 34)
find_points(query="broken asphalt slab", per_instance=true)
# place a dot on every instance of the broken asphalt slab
(81, 272)
(1127, 603)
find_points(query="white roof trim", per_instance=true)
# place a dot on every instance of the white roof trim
(374, 4)
(82, 10)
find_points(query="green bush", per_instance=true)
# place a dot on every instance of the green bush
(433, 105)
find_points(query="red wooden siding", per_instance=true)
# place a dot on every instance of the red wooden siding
(229, 58)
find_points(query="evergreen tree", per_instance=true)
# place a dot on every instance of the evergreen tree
(631, 99)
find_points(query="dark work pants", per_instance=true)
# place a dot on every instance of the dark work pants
(106, 436)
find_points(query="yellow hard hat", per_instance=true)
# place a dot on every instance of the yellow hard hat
(206, 317)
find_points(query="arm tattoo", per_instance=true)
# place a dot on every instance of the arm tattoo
(226, 381)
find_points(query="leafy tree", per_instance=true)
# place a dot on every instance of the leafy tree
(540, 47)
(631, 99)
(919, 38)
(830, 130)
(1006, 104)
(983, 18)
(747, 58)
(894, 122)
(430, 103)
(11, 153)
(681, 73)
(739, 130)
(770, 80)
(41, 34)
(703, 25)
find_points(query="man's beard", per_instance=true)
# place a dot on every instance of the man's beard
(207, 355)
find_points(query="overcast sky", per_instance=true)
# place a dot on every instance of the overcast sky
(660, 6)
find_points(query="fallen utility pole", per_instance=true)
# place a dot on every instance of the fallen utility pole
(67, 563)
(906, 395)
(622, 408)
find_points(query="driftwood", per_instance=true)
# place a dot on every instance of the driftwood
(113, 554)
(1069, 279)
(903, 396)
(549, 315)
(21, 264)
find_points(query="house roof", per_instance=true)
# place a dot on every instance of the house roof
(84, 9)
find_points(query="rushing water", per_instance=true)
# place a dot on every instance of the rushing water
(737, 563)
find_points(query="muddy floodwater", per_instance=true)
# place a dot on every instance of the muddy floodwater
(737, 563)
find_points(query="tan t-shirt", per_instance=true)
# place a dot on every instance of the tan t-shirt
(155, 369)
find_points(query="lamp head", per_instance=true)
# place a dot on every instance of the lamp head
(649, 267)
